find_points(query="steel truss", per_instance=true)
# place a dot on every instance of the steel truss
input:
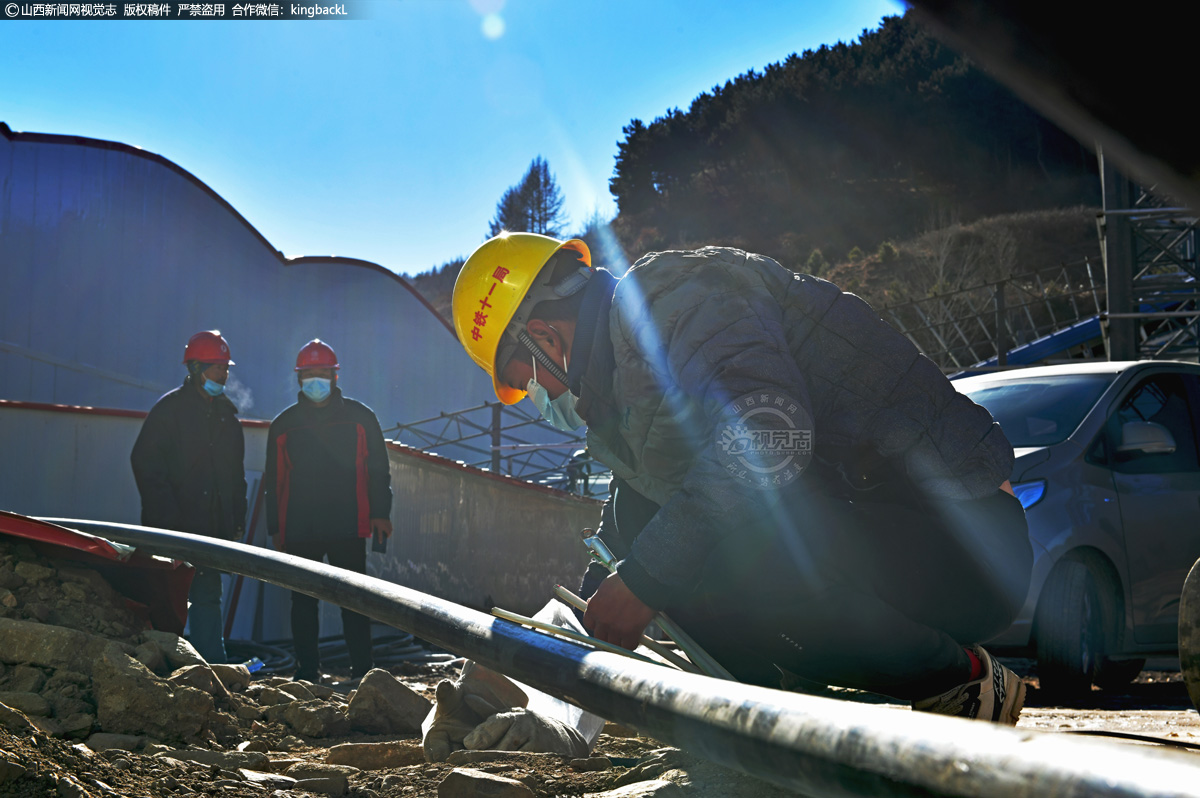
(507, 439)
(1149, 246)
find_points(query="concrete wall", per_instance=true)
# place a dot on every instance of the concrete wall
(460, 533)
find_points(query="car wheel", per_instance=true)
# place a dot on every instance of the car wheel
(1070, 631)
(1114, 674)
(1189, 633)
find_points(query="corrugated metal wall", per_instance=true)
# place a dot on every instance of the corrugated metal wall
(460, 533)
(111, 257)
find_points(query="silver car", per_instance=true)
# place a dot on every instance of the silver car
(1108, 471)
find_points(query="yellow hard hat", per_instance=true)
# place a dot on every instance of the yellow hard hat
(489, 291)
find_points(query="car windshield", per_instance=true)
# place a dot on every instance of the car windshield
(1039, 411)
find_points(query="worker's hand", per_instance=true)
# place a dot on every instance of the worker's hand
(615, 615)
(523, 730)
(381, 526)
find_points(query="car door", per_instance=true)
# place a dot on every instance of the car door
(1159, 496)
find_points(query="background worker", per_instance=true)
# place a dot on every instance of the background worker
(187, 461)
(328, 490)
(795, 484)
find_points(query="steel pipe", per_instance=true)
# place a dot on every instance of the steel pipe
(820, 746)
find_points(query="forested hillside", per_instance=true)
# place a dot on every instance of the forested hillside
(846, 146)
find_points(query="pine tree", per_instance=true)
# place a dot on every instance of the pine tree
(535, 205)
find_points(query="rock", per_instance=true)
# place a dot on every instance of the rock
(235, 678)
(291, 743)
(329, 785)
(132, 700)
(69, 787)
(107, 741)
(297, 691)
(377, 756)
(385, 705)
(200, 677)
(29, 703)
(470, 783)
(32, 572)
(150, 655)
(273, 696)
(316, 719)
(642, 789)
(260, 746)
(326, 779)
(7, 598)
(77, 725)
(321, 691)
(271, 781)
(591, 764)
(24, 679)
(15, 721)
(226, 760)
(244, 708)
(515, 757)
(651, 766)
(618, 730)
(177, 651)
(47, 726)
(25, 642)
(319, 770)
(276, 714)
(10, 769)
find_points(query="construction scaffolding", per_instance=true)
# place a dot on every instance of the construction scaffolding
(1150, 264)
(509, 440)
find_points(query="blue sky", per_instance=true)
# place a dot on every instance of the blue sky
(392, 138)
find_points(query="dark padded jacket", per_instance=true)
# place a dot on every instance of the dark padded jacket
(188, 463)
(694, 343)
(327, 471)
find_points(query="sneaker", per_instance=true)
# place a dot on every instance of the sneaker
(997, 695)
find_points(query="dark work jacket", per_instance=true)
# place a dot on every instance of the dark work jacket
(188, 465)
(696, 341)
(327, 471)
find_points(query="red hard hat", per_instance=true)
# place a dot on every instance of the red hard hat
(207, 347)
(316, 354)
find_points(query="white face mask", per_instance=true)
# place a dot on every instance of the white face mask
(560, 412)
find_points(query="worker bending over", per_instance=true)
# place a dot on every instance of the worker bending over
(794, 483)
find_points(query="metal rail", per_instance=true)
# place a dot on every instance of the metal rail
(819, 746)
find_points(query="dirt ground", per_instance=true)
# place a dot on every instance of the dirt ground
(1156, 705)
(260, 754)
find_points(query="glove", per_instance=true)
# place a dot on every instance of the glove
(453, 719)
(523, 730)
(464, 704)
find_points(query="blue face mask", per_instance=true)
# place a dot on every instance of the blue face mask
(560, 412)
(316, 388)
(213, 388)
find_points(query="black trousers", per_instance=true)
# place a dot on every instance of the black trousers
(875, 595)
(348, 553)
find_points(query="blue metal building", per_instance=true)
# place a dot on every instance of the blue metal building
(110, 257)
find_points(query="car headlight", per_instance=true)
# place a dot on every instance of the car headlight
(1030, 493)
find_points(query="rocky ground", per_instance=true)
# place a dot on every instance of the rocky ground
(92, 704)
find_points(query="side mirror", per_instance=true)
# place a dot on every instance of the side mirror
(1146, 437)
